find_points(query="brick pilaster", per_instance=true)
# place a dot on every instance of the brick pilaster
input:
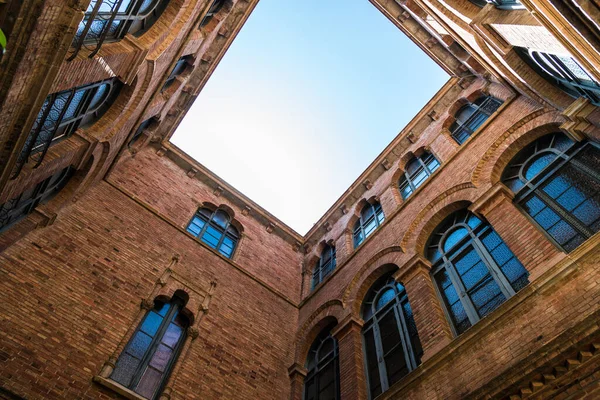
(297, 374)
(352, 371)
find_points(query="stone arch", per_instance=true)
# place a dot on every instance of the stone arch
(412, 239)
(367, 280)
(193, 300)
(327, 313)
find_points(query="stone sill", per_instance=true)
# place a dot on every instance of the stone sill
(115, 387)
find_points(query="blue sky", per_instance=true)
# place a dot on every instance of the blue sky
(309, 93)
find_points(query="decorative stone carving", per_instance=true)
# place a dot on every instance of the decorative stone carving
(218, 191)
(192, 172)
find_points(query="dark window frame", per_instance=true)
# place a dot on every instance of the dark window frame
(359, 233)
(500, 4)
(140, 131)
(320, 363)
(214, 8)
(426, 163)
(444, 262)
(324, 266)
(178, 69)
(373, 317)
(228, 232)
(532, 188)
(482, 109)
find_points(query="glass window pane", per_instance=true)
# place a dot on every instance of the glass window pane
(149, 383)
(138, 346)
(487, 296)
(172, 335)
(124, 369)
(384, 298)
(151, 323)
(372, 365)
(453, 238)
(161, 357)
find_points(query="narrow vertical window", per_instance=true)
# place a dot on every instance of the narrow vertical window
(474, 270)
(471, 116)
(214, 228)
(416, 172)
(371, 217)
(177, 70)
(215, 7)
(322, 381)
(146, 362)
(325, 265)
(391, 341)
(557, 183)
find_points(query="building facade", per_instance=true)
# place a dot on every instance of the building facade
(464, 262)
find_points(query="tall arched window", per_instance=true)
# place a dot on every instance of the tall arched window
(215, 7)
(557, 183)
(416, 172)
(471, 116)
(62, 113)
(325, 265)
(111, 20)
(322, 381)
(564, 72)
(146, 362)
(391, 342)
(214, 228)
(371, 216)
(22, 205)
(474, 270)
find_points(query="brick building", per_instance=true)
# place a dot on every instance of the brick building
(463, 263)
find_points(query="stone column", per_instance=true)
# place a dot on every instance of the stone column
(353, 384)
(297, 374)
(525, 240)
(432, 324)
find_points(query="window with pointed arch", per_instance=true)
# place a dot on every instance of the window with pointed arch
(63, 113)
(556, 182)
(146, 362)
(110, 20)
(416, 172)
(322, 380)
(324, 266)
(215, 7)
(371, 217)
(471, 116)
(473, 268)
(564, 72)
(214, 228)
(391, 341)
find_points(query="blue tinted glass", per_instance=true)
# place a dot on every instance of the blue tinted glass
(473, 221)
(537, 165)
(513, 270)
(161, 357)
(487, 297)
(211, 236)
(433, 164)
(420, 178)
(139, 345)
(453, 238)
(358, 238)
(502, 254)
(588, 212)
(466, 260)
(221, 219)
(562, 232)
(194, 229)
(172, 335)
(101, 92)
(491, 240)
(151, 323)
(547, 218)
(474, 275)
(385, 298)
(571, 199)
(74, 105)
(162, 309)
(556, 186)
(370, 227)
(124, 369)
(534, 206)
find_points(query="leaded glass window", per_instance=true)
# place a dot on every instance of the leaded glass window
(556, 181)
(214, 228)
(177, 70)
(111, 20)
(391, 341)
(473, 268)
(18, 207)
(325, 265)
(416, 173)
(471, 116)
(146, 362)
(371, 216)
(564, 72)
(322, 381)
(215, 7)
(63, 113)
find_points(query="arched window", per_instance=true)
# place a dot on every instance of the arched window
(177, 70)
(22, 205)
(322, 381)
(62, 113)
(564, 72)
(501, 4)
(215, 7)
(325, 265)
(214, 228)
(471, 116)
(416, 172)
(370, 218)
(391, 342)
(111, 20)
(557, 183)
(474, 270)
(140, 131)
(146, 362)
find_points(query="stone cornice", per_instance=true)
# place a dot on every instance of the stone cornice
(491, 199)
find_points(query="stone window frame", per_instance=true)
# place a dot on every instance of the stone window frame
(232, 223)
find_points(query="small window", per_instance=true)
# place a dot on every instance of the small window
(214, 228)
(214, 8)
(557, 183)
(501, 4)
(19, 207)
(471, 116)
(391, 341)
(371, 217)
(474, 270)
(147, 360)
(417, 171)
(110, 21)
(322, 381)
(64, 112)
(325, 265)
(177, 70)
(140, 131)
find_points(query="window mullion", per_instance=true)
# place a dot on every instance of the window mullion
(404, 337)
(462, 292)
(379, 353)
(493, 268)
(565, 214)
